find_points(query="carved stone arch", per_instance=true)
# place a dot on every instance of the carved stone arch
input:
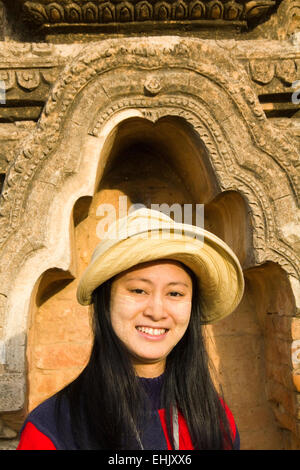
(100, 88)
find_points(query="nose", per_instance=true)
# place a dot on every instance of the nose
(155, 308)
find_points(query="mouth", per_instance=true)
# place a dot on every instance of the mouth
(152, 332)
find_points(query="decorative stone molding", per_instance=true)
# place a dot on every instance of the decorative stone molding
(28, 79)
(12, 136)
(276, 76)
(27, 66)
(11, 51)
(49, 14)
(152, 85)
(28, 70)
(263, 71)
(291, 128)
(18, 83)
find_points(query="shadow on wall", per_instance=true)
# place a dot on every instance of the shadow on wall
(251, 349)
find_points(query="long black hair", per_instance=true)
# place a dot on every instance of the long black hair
(107, 402)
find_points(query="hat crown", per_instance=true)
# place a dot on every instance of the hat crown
(140, 220)
(145, 222)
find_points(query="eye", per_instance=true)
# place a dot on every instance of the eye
(137, 291)
(177, 294)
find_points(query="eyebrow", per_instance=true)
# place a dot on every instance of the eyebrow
(150, 282)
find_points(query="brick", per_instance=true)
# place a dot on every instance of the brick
(68, 324)
(61, 355)
(43, 384)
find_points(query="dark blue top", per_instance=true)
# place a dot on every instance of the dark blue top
(44, 419)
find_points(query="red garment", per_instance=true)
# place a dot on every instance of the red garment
(33, 439)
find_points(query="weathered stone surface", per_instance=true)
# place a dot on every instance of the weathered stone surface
(6, 432)
(12, 389)
(2, 21)
(281, 25)
(10, 444)
(11, 136)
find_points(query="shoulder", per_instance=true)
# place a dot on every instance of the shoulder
(48, 422)
(43, 411)
(44, 415)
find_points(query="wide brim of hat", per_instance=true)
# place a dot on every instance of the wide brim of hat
(216, 267)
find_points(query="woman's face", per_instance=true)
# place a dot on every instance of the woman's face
(150, 311)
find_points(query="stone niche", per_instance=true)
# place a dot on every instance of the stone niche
(60, 18)
(141, 122)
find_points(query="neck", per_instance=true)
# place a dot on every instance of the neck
(149, 370)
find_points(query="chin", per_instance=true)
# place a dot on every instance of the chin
(148, 359)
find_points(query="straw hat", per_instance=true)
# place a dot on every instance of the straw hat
(148, 235)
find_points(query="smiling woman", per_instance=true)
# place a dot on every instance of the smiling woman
(147, 384)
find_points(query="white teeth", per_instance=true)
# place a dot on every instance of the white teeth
(152, 331)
